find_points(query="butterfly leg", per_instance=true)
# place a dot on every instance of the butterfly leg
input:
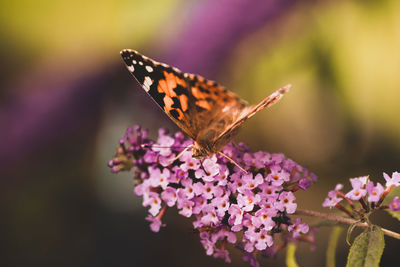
(231, 160)
(182, 152)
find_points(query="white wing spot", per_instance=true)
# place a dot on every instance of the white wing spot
(140, 63)
(149, 69)
(131, 68)
(164, 65)
(176, 69)
(134, 61)
(147, 83)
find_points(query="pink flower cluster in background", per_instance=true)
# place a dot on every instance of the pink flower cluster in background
(369, 195)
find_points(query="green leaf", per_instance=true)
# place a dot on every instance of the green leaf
(388, 199)
(331, 251)
(394, 192)
(367, 248)
(290, 257)
(395, 214)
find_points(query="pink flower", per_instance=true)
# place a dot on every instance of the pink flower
(247, 200)
(209, 216)
(187, 191)
(263, 240)
(199, 203)
(236, 214)
(394, 180)
(185, 207)
(332, 198)
(142, 189)
(150, 156)
(395, 204)
(286, 200)
(298, 228)
(221, 204)
(211, 169)
(358, 190)
(263, 217)
(153, 200)
(359, 181)
(236, 183)
(331, 202)
(222, 177)
(158, 178)
(189, 163)
(208, 245)
(223, 254)
(251, 183)
(374, 192)
(277, 176)
(251, 235)
(270, 191)
(164, 144)
(169, 196)
(156, 223)
(177, 175)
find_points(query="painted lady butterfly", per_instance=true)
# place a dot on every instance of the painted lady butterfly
(203, 109)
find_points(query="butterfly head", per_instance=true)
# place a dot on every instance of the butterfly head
(199, 151)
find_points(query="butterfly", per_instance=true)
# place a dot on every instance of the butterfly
(207, 112)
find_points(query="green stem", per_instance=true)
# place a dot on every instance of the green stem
(343, 220)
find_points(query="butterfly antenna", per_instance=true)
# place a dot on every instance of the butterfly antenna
(231, 160)
(157, 146)
(180, 154)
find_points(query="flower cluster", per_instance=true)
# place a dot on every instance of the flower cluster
(364, 191)
(223, 199)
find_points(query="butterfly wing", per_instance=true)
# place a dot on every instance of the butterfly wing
(205, 110)
(247, 113)
(217, 108)
(201, 108)
(167, 86)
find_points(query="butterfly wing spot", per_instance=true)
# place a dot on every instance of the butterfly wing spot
(204, 104)
(170, 83)
(131, 68)
(147, 83)
(168, 102)
(183, 99)
(176, 113)
(149, 68)
(140, 63)
(200, 93)
(134, 61)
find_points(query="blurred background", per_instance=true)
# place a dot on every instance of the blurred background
(66, 99)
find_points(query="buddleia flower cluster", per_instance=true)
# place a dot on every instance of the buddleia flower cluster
(251, 210)
(367, 194)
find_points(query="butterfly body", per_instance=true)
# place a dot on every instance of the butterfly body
(207, 112)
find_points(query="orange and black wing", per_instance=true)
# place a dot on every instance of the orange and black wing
(217, 108)
(201, 108)
(167, 86)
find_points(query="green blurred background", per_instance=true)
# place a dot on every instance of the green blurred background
(66, 99)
